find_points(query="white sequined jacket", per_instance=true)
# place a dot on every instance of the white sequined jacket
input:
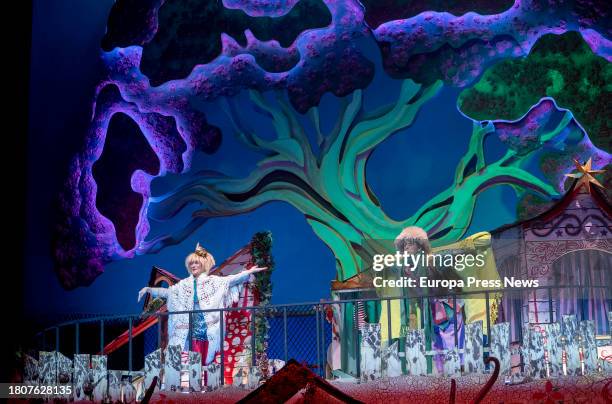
(214, 292)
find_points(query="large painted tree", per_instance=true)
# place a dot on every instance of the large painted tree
(329, 185)
(320, 173)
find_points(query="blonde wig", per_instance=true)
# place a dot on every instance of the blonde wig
(203, 257)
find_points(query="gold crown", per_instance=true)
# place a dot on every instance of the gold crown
(199, 250)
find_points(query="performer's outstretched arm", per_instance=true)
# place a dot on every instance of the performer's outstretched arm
(155, 292)
(244, 275)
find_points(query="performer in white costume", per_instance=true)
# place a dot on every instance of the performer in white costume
(200, 291)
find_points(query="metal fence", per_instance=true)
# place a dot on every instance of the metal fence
(295, 331)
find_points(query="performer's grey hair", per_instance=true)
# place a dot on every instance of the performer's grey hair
(410, 236)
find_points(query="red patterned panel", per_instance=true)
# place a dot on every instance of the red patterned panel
(237, 338)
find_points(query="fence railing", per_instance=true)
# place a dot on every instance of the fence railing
(297, 331)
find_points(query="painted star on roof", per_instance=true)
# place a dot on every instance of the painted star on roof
(585, 174)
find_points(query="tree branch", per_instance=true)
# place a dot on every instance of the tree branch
(284, 146)
(450, 212)
(368, 134)
(475, 151)
(246, 136)
(363, 137)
